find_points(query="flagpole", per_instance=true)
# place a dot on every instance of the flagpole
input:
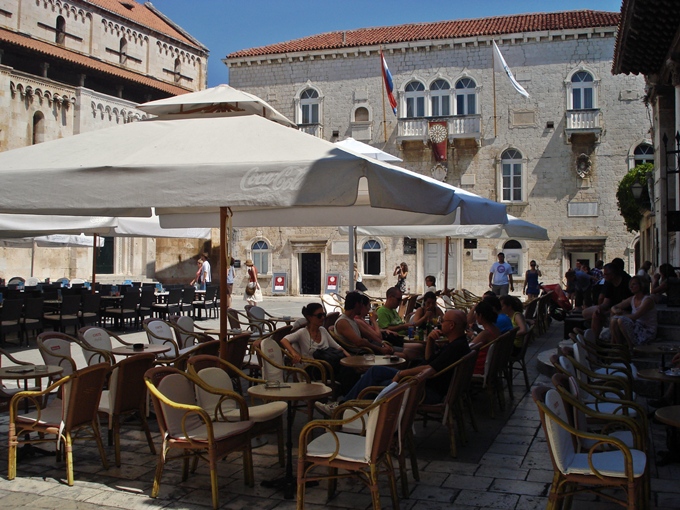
(493, 75)
(382, 87)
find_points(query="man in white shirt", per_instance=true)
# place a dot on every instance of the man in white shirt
(500, 277)
(207, 277)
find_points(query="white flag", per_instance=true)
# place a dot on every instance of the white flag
(500, 61)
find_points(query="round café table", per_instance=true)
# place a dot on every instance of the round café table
(661, 376)
(657, 350)
(289, 393)
(129, 350)
(670, 416)
(361, 363)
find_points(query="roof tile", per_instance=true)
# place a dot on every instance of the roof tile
(498, 25)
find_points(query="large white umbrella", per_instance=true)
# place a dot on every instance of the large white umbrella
(367, 150)
(215, 100)
(515, 228)
(257, 168)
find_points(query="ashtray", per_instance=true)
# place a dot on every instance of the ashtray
(394, 358)
(138, 347)
(275, 384)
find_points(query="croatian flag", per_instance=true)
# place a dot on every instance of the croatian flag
(389, 84)
(500, 65)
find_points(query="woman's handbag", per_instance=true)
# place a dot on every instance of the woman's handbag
(330, 354)
(251, 288)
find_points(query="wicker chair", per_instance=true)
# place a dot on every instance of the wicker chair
(187, 428)
(64, 418)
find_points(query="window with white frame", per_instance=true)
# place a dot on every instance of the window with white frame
(414, 95)
(643, 153)
(512, 176)
(260, 252)
(372, 257)
(583, 91)
(466, 97)
(440, 98)
(309, 106)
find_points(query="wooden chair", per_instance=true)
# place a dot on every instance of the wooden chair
(32, 319)
(10, 319)
(6, 393)
(171, 305)
(147, 299)
(217, 376)
(65, 418)
(55, 349)
(208, 304)
(187, 332)
(67, 315)
(127, 395)
(127, 311)
(189, 430)
(594, 470)
(451, 408)
(518, 361)
(90, 309)
(361, 455)
(186, 304)
(495, 369)
(349, 347)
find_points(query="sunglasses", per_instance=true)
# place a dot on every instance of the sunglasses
(320, 315)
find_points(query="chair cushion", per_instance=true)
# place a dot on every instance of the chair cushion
(259, 414)
(221, 430)
(617, 369)
(352, 447)
(624, 435)
(608, 463)
(609, 408)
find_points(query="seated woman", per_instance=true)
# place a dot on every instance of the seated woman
(485, 317)
(639, 325)
(429, 315)
(664, 281)
(512, 307)
(306, 341)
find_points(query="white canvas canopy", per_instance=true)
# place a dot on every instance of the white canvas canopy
(515, 228)
(258, 171)
(215, 100)
(367, 150)
(51, 241)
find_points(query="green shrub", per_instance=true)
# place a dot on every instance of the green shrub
(632, 209)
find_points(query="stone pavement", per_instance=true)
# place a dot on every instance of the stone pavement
(505, 465)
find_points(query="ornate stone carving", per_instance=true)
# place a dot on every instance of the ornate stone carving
(439, 172)
(583, 166)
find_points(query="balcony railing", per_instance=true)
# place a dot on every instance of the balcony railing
(459, 126)
(312, 129)
(583, 121)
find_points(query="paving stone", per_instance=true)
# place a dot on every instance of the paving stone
(508, 449)
(494, 471)
(498, 459)
(520, 487)
(430, 493)
(532, 503)
(488, 499)
(540, 475)
(468, 482)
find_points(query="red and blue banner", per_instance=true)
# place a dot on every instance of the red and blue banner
(389, 83)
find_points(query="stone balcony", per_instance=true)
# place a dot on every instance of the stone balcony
(583, 122)
(459, 126)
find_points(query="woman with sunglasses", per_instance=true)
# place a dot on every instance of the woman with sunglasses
(531, 288)
(303, 342)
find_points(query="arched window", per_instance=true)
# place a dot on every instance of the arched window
(582, 91)
(309, 106)
(514, 255)
(122, 53)
(466, 97)
(178, 70)
(60, 32)
(260, 255)
(440, 99)
(511, 175)
(414, 94)
(644, 153)
(372, 253)
(361, 115)
(38, 128)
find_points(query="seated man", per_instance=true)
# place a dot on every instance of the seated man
(390, 321)
(352, 328)
(615, 290)
(438, 358)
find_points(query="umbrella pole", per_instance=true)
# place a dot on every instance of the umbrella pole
(95, 245)
(223, 280)
(33, 245)
(446, 265)
(351, 258)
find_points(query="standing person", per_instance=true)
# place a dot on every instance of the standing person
(359, 284)
(206, 277)
(401, 272)
(583, 284)
(199, 272)
(531, 277)
(597, 277)
(231, 273)
(500, 277)
(253, 294)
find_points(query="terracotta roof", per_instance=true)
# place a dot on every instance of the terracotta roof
(646, 33)
(498, 25)
(88, 62)
(143, 15)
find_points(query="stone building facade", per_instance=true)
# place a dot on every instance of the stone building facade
(555, 158)
(68, 67)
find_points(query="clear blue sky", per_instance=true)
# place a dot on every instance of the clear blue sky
(225, 26)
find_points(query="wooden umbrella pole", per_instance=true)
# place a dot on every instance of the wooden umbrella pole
(224, 213)
(446, 265)
(95, 243)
